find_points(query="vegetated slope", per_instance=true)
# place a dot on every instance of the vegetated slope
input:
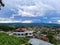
(11, 40)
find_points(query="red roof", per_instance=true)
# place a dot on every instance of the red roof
(44, 38)
(24, 29)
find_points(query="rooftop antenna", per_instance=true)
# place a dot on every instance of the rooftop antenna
(1, 4)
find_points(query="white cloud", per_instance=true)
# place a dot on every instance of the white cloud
(53, 3)
(26, 21)
(39, 9)
(6, 20)
(33, 11)
(58, 21)
(50, 22)
(9, 21)
(26, 8)
(13, 15)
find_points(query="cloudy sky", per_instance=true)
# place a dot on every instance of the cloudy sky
(30, 11)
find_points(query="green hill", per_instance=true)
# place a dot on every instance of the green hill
(11, 40)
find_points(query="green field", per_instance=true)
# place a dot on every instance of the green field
(11, 40)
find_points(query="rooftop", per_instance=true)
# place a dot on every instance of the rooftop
(35, 41)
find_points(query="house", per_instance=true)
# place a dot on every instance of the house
(58, 36)
(40, 36)
(1, 31)
(23, 34)
(9, 33)
(35, 41)
(45, 38)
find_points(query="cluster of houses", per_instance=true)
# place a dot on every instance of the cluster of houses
(58, 37)
(35, 38)
(33, 33)
(24, 32)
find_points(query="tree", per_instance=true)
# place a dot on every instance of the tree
(52, 39)
(1, 4)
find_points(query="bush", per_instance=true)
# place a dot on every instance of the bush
(52, 39)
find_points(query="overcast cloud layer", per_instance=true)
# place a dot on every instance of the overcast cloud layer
(30, 11)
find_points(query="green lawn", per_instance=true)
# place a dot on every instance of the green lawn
(11, 40)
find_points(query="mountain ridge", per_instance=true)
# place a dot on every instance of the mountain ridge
(29, 24)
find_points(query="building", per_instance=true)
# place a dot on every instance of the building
(45, 38)
(57, 36)
(23, 34)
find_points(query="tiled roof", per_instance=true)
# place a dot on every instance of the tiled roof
(24, 29)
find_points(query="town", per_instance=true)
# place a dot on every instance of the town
(48, 34)
(29, 22)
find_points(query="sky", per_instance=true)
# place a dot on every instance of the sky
(30, 11)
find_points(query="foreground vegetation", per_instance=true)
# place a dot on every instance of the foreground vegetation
(11, 40)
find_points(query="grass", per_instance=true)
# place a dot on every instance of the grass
(11, 40)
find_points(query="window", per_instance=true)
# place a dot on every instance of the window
(26, 34)
(30, 33)
(18, 34)
(22, 34)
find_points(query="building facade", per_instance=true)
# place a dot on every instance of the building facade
(23, 34)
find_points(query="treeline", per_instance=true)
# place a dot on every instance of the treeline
(7, 28)
(10, 28)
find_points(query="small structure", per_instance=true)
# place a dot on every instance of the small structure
(9, 33)
(35, 41)
(1, 31)
(44, 38)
